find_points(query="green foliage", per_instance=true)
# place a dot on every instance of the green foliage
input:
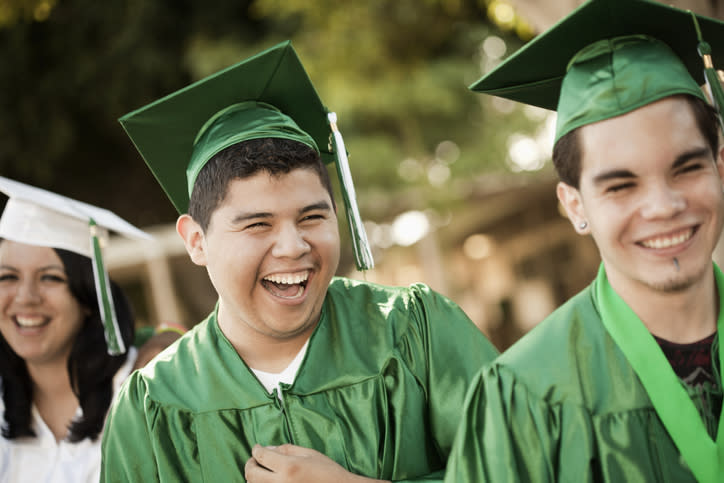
(396, 73)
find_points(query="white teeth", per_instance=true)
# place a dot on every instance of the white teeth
(30, 321)
(666, 242)
(288, 278)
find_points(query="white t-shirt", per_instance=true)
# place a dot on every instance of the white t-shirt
(42, 459)
(271, 381)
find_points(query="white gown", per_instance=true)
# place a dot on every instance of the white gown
(42, 459)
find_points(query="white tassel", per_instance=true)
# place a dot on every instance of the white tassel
(362, 250)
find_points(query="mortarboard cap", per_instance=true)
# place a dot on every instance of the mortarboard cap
(267, 95)
(38, 217)
(609, 57)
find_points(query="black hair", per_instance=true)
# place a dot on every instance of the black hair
(272, 155)
(90, 367)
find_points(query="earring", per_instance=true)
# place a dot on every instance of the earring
(583, 225)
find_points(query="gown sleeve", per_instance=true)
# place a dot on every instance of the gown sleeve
(454, 350)
(508, 434)
(128, 421)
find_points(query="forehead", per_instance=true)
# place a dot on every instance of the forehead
(15, 253)
(301, 185)
(649, 137)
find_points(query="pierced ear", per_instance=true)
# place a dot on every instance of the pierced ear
(570, 199)
(193, 237)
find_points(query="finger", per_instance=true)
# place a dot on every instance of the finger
(254, 472)
(270, 457)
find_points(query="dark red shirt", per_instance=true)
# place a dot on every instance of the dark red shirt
(691, 362)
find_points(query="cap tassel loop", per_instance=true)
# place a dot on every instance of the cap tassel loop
(362, 251)
(716, 93)
(114, 339)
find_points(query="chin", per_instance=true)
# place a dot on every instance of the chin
(678, 282)
(673, 285)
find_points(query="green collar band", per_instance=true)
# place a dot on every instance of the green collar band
(704, 456)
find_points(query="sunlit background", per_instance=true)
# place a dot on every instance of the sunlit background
(456, 189)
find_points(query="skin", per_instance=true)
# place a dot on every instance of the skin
(34, 290)
(651, 191)
(272, 227)
(289, 463)
(268, 228)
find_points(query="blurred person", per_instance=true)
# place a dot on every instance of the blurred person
(296, 375)
(622, 382)
(155, 340)
(58, 374)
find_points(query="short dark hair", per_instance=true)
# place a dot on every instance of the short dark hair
(567, 151)
(242, 160)
(90, 367)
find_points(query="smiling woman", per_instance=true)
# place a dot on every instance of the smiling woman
(58, 374)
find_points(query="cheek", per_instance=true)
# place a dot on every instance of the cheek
(76, 314)
(328, 246)
(64, 301)
(608, 221)
(233, 270)
(331, 240)
(6, 296)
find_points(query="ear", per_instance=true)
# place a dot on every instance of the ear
(571, 200)
(720, 165)
(193, 237)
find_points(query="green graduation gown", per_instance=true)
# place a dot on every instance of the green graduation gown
(380, 391)
(564, 404)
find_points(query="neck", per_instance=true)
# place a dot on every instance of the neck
(53, 396)
(264, 352)
(683, 316)
(51, 378)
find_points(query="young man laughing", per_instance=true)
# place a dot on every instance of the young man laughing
(297, 375)
(623, 382)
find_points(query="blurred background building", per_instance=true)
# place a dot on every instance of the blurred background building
(456, 189)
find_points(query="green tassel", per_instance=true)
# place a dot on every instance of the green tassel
(710, 74)
(114, 339)
(362, 251)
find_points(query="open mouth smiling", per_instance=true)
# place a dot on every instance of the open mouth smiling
(286, 285)
(670, 240)
(28, 322)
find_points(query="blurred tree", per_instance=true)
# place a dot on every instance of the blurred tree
(396, 72)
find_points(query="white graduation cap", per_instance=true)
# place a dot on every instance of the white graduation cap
(38, 217)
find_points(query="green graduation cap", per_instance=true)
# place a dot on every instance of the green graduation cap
(267, 95)
(609, 57)
(38, 217)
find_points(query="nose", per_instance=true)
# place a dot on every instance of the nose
(290, 242)
(27, 293)
(662, 201)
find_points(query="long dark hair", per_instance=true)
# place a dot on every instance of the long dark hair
(90, 367)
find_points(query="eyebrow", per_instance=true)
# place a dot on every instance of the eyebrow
(614, 174)
(242, 217)
(689, 155)
(322, 205)
(41, 269)
(625, 173)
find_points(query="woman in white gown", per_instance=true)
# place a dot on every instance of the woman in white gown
(57, 377)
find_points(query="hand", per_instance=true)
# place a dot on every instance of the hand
(288, 463)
